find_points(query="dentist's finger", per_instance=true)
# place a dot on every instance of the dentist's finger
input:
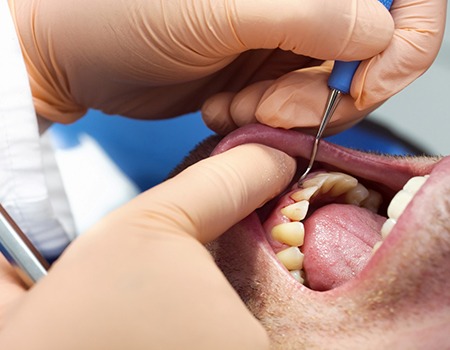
(295, 100)
(214, 194)
(323, 29)
(227, 111)
(77, 59)
(419, 29)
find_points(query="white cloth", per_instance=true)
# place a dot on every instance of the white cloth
(23, 190)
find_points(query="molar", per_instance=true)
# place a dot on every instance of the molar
(356, 195)
(338, 183)
(334, 183)
(373, 201)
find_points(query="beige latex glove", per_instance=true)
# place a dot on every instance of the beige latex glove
(157, 59)
(141, 278)
(297, 99)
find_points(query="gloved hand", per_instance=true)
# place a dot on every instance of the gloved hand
(140, 277)
(156, 59)
(297, 99)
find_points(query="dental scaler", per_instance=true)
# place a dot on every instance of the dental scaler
(339, 83)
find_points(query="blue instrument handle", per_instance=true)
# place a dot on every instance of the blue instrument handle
(342, 74)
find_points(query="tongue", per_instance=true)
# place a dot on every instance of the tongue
(338, 243)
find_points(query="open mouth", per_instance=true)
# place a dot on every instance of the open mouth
(351, 210)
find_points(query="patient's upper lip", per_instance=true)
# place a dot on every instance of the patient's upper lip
(361, 164)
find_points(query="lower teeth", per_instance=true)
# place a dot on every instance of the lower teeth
(291, 233)
(291, 258)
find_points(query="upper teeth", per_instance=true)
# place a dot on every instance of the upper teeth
(401, 201)
(357, 194)
(334, 183)
(305, 193)
(291, 231)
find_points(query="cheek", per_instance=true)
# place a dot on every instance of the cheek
(410, 288)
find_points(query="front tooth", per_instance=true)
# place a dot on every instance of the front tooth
(296, 211)
(290, 233)
(414, 184)
(304, 194)
(356, 195)
(373, 201)
(387, 227)
(291, 258)
(398, 204)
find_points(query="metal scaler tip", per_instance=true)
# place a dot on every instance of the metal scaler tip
(332, 102)
(339, 82)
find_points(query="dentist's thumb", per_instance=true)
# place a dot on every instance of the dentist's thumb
(212, 195)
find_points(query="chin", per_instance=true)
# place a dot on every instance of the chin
(355, 256)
